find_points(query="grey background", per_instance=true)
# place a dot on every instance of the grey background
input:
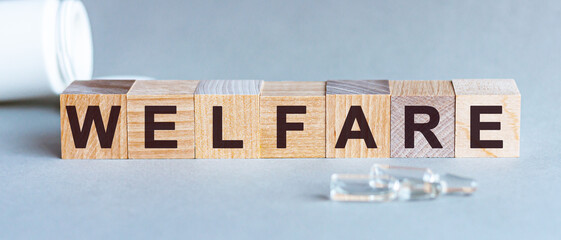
(42, 196)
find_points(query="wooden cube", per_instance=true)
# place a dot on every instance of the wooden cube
(161, 119)
(93, 119)
(292, 120)
(487, 118)
(422, 119)
(227, 119)
(358, 119)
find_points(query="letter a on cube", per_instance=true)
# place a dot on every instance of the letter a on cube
(358, 119)
(487, 118)
(93, 119)
(227, 119)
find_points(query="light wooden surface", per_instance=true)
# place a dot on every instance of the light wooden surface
(488, 92)
(353, 87)
(105, 94)
(374, 98)
(430, 88)
(99, 87)
(309, 143)
(163, 87)
(229, 87)
(293, 89)
(485, 87)
(239, 100)
(177, 93)
(436, 94)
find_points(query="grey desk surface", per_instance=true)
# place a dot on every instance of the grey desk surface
(42, 196)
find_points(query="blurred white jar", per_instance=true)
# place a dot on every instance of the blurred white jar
(44, 46)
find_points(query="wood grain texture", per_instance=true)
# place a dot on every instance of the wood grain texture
(422, 88)
(176, 93)
(357, 87)
(289, 89)
(99, 87)
(229, 87)
(105, 94)
(309, 143)
(488, 92)
(485, 87)
(240, 118)
(436, 94)
(163, 87)
(375, 103)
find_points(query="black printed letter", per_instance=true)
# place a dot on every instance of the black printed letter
(150, 126)
(283, 126)
(355, 113)
(217, 141)
(93, 116)
(423, 128)
(476, 126)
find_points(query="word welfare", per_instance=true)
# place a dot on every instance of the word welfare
(103, 119)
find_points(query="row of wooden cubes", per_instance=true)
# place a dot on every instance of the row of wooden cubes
(256, 119)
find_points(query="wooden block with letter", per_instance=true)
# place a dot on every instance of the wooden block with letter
(358, 119)
(422, 119)
(292, 120)
(487, 118)
(161, 119)
(227, 119)
(93, 119)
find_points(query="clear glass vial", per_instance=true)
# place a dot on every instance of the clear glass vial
(389, 183)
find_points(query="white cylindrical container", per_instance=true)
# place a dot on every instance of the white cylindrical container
(44, 46)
